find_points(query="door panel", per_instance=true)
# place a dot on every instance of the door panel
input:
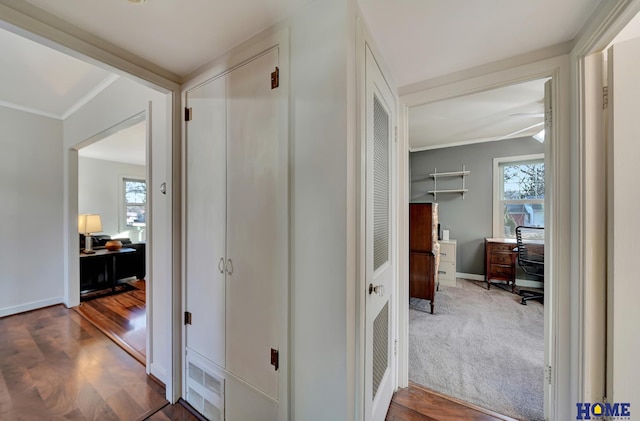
(623, 312)
(379, 296)
(257, 223)
(206, 220)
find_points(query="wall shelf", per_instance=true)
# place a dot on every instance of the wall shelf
(435, 175)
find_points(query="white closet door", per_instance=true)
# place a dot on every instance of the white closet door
(206, 220)
(256, 222)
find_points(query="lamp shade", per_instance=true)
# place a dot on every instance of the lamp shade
(88, 223)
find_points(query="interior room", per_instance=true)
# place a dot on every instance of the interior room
(112, 184)
(311, 259)
(75, 135)
(472, 157)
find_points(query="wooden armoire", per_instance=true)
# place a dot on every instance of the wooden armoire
(423, 250)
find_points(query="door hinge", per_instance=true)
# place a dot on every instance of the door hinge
(188, 114)
(548, 118)
(547, 373)
(275, 78)
(275, 358)
(187, 317)
(605, 97)
(395, 347)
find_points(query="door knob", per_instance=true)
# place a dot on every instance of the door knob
(378, 290)
(221, 265)
(230, 267)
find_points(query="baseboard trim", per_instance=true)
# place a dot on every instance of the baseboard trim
(158, 372)
(34, 305)
(471, 276)
(526, 283)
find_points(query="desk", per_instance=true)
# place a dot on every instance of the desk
(500, 261)
(98, 270)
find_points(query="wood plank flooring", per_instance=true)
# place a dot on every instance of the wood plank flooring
(55, 365)
(416, 403)
(122, 317)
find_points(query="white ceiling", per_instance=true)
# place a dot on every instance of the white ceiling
(179, 36)
(419, 40)
(503, 113)
(423, 39)
(126, 145)
(43, 81)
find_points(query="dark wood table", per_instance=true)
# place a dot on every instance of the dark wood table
(98, 270)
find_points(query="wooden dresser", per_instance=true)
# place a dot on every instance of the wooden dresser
(500, 261)
(423, 250)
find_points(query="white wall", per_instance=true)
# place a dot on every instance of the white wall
(100, 190)
(321, 316)
(121, 101)
(31, 252)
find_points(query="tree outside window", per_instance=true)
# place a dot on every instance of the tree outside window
(520, 198)
(135, 202)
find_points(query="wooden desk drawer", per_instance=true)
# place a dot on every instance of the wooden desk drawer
(501, 258)
(501, 270)
(501, 247)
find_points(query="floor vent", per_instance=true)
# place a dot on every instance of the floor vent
(205, 388)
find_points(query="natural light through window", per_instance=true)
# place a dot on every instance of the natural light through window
(518, 194)
(135, 202)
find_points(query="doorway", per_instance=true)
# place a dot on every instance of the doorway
(112, 183)
(552, 155)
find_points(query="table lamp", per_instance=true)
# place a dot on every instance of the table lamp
(87, 224)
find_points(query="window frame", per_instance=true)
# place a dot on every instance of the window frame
(498, 189)
(123, 201)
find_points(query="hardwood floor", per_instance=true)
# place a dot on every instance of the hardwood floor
(122, 317)
(55, 365)
(416, 403)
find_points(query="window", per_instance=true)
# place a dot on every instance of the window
(518, 194)
(135, 202)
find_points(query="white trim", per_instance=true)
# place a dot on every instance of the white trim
(108, 81)
(527, 283)
(522, 60)
(589, 238)
(34, 305)
(158, 372)
(29, 110)
(38, 25)
(463, 143)
(95, 91)
(498, 228)
(471, 276)
(33, 23)
(558, 155)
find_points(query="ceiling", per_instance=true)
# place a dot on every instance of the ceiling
(179, 36)
(424, 39)
(43, 81)
(419, 39)
(504, 113)
(127, 145)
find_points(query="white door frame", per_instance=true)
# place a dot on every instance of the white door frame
(31, 22)
(558, 166)
(591, 174)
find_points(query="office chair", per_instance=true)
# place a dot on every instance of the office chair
(530, 250)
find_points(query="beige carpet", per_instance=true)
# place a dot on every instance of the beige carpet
(480, 346)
